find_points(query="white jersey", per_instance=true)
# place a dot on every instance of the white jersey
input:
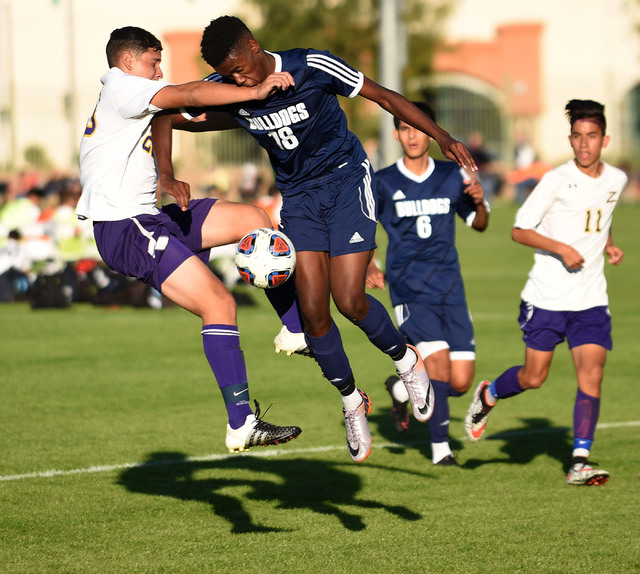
(117, 169)
(569, 206)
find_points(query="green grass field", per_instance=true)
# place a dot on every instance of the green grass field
(113, 458)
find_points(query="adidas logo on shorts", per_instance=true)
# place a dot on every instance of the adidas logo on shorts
(356, 238)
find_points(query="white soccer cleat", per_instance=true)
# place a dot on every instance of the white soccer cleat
(256, 432)
(291, 343)
(475, 421)
(358, 435)
(583, 473)
(419, 388)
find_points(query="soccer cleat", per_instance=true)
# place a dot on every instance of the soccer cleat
(475, 420)
(358, 435)
(257, 432)
(448, 460)
(583, 473)
(419, 388)
(399, 412)
(291, 343)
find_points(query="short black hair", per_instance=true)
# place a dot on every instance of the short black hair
(132, 39)
(576, 110)
(221, 38)
(424, 107)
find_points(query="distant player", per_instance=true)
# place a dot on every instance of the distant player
(329, 208)
(567, 219)
(167, 247)
(418, 200)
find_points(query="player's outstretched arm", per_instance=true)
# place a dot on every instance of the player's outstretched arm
(204, 94)
(399, 106)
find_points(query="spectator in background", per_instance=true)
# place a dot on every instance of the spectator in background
(528, 169)
(488, 173)
(14, 267)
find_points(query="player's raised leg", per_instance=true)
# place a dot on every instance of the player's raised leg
(228, 222)
(347, 276)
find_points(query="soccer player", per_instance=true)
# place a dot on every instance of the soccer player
(168, 247)
(418, 200)
(567, 220)
(329, 208)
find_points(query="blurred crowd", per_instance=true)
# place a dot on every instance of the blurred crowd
(49, 257)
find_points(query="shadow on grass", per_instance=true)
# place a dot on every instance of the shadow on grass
(535, 437)
(318, 486)
(417, 437)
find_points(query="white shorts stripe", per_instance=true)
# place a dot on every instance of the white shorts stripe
(367, 199)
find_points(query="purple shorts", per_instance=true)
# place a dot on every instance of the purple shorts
(543, 329)
(151, 247)
(339, 218)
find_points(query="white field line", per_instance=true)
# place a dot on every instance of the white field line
(274, 452)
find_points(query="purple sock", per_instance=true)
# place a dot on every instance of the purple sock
(222, 349)
(585, 416)
(439, 421)
(507, 385)
(380, 329)
(283, 300)
(329, 354)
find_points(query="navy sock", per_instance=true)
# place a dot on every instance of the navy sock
(380, 329)
(329, 353)
(439, 421)
(222, 349)
(283, 300)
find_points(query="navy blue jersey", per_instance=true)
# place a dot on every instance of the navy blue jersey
(418, 214)
(304, 129)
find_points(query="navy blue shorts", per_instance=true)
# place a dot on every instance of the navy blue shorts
(431, 328)
(151, 247)
(543, 329)
(338, 218)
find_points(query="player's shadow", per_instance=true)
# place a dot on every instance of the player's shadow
(290, 483)
(416, 438)
(537, 436)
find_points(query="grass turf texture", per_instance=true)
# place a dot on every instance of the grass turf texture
(88, 386)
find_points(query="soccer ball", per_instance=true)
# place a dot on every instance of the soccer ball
(265, 258)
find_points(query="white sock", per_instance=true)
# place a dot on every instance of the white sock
(490, 396)
(580, 452)
(439, 450)
(407, 362)
(399, 392)
(352, 401)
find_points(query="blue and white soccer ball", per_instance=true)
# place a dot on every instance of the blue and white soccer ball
(265, 258)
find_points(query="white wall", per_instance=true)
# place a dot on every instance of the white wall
(35, 58)
(590, 50)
